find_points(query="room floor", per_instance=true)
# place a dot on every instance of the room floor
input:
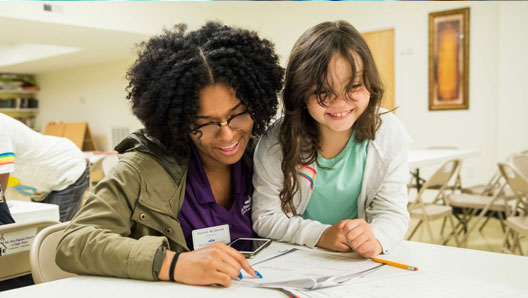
(489, 239)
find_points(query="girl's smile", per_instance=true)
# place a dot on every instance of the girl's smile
(339, 116)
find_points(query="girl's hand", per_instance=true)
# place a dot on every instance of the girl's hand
(213, 264)
(333, 238)
(360, 238)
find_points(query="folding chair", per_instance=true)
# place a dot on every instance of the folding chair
(480, 206)
(520, 162)
(14, 254)
(417, 182)
(490, 188)
(42, 255)
(427, 212)
(487, 189)
(517, 221)
(473, 198)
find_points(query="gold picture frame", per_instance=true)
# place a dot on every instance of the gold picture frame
(449, 60)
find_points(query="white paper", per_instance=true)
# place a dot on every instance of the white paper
(416, 284)
(308, 269)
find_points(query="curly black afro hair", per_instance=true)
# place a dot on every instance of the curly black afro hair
(173, 67)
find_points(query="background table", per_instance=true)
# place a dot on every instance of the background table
(421, 158)
(509, 270)
(24, 211)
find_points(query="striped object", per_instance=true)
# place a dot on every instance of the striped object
(7, 158)
(308, 173)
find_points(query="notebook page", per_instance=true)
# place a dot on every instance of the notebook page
(418, 284)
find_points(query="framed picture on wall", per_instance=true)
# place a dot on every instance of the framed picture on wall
(449, 59)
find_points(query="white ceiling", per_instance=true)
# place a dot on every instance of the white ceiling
(92, 45)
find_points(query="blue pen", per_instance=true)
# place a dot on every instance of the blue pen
(256, 272)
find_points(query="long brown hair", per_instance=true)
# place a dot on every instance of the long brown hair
(307, 67)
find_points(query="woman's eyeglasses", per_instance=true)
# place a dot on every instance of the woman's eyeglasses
(236, 122)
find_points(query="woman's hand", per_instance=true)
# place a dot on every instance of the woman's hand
(333, 238)
(360, 237)
(213, 264)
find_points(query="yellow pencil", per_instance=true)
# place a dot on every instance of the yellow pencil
(412, 268)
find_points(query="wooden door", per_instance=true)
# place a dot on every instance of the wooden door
(381, 44)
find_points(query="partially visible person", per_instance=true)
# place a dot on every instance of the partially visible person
(5, 215)
(333, 172)
(6, 218)
(53, 166)
(202, 96)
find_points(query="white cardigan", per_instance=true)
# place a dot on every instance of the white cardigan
(382, 201)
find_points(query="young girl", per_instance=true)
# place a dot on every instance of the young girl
(332, 173)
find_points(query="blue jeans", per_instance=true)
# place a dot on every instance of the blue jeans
(5, 215)
(70, 198)
(17, 282)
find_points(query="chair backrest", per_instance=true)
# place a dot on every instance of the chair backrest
(443, 174)
(520, 162)
(496, 182)
(15, 243)
(42, 255)
(514, 178)
(457, 185)
(519, 184)
(440, 178)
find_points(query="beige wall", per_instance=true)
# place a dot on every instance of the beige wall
(95, 94)
(498, 66)
(512, 102)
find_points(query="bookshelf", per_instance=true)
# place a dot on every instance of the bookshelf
(18, 97)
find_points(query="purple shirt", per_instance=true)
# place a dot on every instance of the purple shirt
(200, 209)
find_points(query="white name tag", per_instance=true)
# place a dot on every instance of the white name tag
(207, 236)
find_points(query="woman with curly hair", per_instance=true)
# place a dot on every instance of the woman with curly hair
(333, 172)
(201, 96)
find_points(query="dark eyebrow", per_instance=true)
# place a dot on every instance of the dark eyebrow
(231, 110)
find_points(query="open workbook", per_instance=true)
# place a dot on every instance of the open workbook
(302, 269)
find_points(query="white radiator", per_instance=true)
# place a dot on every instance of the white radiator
(118, 134)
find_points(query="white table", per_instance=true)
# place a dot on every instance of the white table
(421, 158)
(23, 211)
(508, 270)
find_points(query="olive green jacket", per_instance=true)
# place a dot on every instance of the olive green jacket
(129, 215)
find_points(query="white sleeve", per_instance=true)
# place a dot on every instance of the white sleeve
(7, 154)
(388, 213)
(269, 220)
